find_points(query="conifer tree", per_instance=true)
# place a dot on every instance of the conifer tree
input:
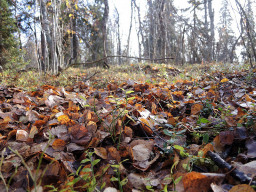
(7, 30)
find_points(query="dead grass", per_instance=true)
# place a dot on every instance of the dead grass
(153, 73)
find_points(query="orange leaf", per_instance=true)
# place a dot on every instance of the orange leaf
(208, 147)
(196, 108)
(172, 121)
(58, 145)
(39, 123)
(146, 124)
(113, 154)
(194, 182)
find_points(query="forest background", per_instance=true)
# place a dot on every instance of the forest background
(53, 35)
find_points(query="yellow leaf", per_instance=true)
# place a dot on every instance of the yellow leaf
(81, 41)
(67, 4)
(63, 119)
(48, 4)
(29, 7)
(224, 80)
(76, 6)
(71, 15)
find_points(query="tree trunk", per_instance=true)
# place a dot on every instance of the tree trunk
(162, 30)
(104, 31)
(130, 29)
(211, 39)
(118, 37)
(151, 31)
(140, 30)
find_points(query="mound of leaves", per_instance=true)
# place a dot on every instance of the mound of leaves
(196, 135)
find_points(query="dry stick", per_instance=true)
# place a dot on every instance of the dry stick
(111, 56)
(234, 172)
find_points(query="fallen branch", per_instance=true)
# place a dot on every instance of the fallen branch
(234, 172)
(118, 56)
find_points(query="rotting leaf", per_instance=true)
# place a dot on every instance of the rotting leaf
(58, 145)
(79, 134)
(242, 188)
(101, 152)
(196, 108)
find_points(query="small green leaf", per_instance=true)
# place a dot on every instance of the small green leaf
(124, 181)
(87, 170)
(128, 92)
(96, 161)
(167, 132)
(103, 185)
(131, 98)
(177, 180)
(115, 166)
(206, 138)
(85, 161)
(114, 179)
(178, 147)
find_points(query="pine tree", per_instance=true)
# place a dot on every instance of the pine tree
(225, 47)
(7, 30)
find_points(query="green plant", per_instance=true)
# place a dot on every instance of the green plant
(117, 114)
(117, 178)
(88, 177)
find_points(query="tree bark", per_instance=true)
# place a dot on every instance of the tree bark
(211, 40)
(104, 31)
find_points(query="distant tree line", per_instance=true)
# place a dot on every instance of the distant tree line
(55, 34)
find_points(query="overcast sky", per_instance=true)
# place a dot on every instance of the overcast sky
(124, 8)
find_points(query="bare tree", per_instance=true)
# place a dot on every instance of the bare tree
(249, 32)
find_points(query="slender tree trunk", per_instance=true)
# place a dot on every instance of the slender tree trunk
(211, 40)
(45, 23)
(104, 31)
(151, 31)
(130, 29)
(162, 30)
(118, 37)
(140, 30)
(74, 40)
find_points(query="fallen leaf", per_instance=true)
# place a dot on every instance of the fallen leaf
(21, 135)
(196, 108)
(101, 152)
(224, 80)
(58, 145)
(242, 188)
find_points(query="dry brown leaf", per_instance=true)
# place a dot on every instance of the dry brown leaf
(113, 154)
(226, 137)
(79, 134)
(33, 131)
(21, 135)
(196, 108)
(101, 152)
(58, 145)
(242, 188)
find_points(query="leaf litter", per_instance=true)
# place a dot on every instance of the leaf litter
(190, 135)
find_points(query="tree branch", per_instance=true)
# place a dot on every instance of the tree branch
(111, 56)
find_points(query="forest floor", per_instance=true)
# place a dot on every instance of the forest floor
(139, 127)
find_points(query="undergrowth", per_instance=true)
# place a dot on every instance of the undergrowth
(140, 72)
